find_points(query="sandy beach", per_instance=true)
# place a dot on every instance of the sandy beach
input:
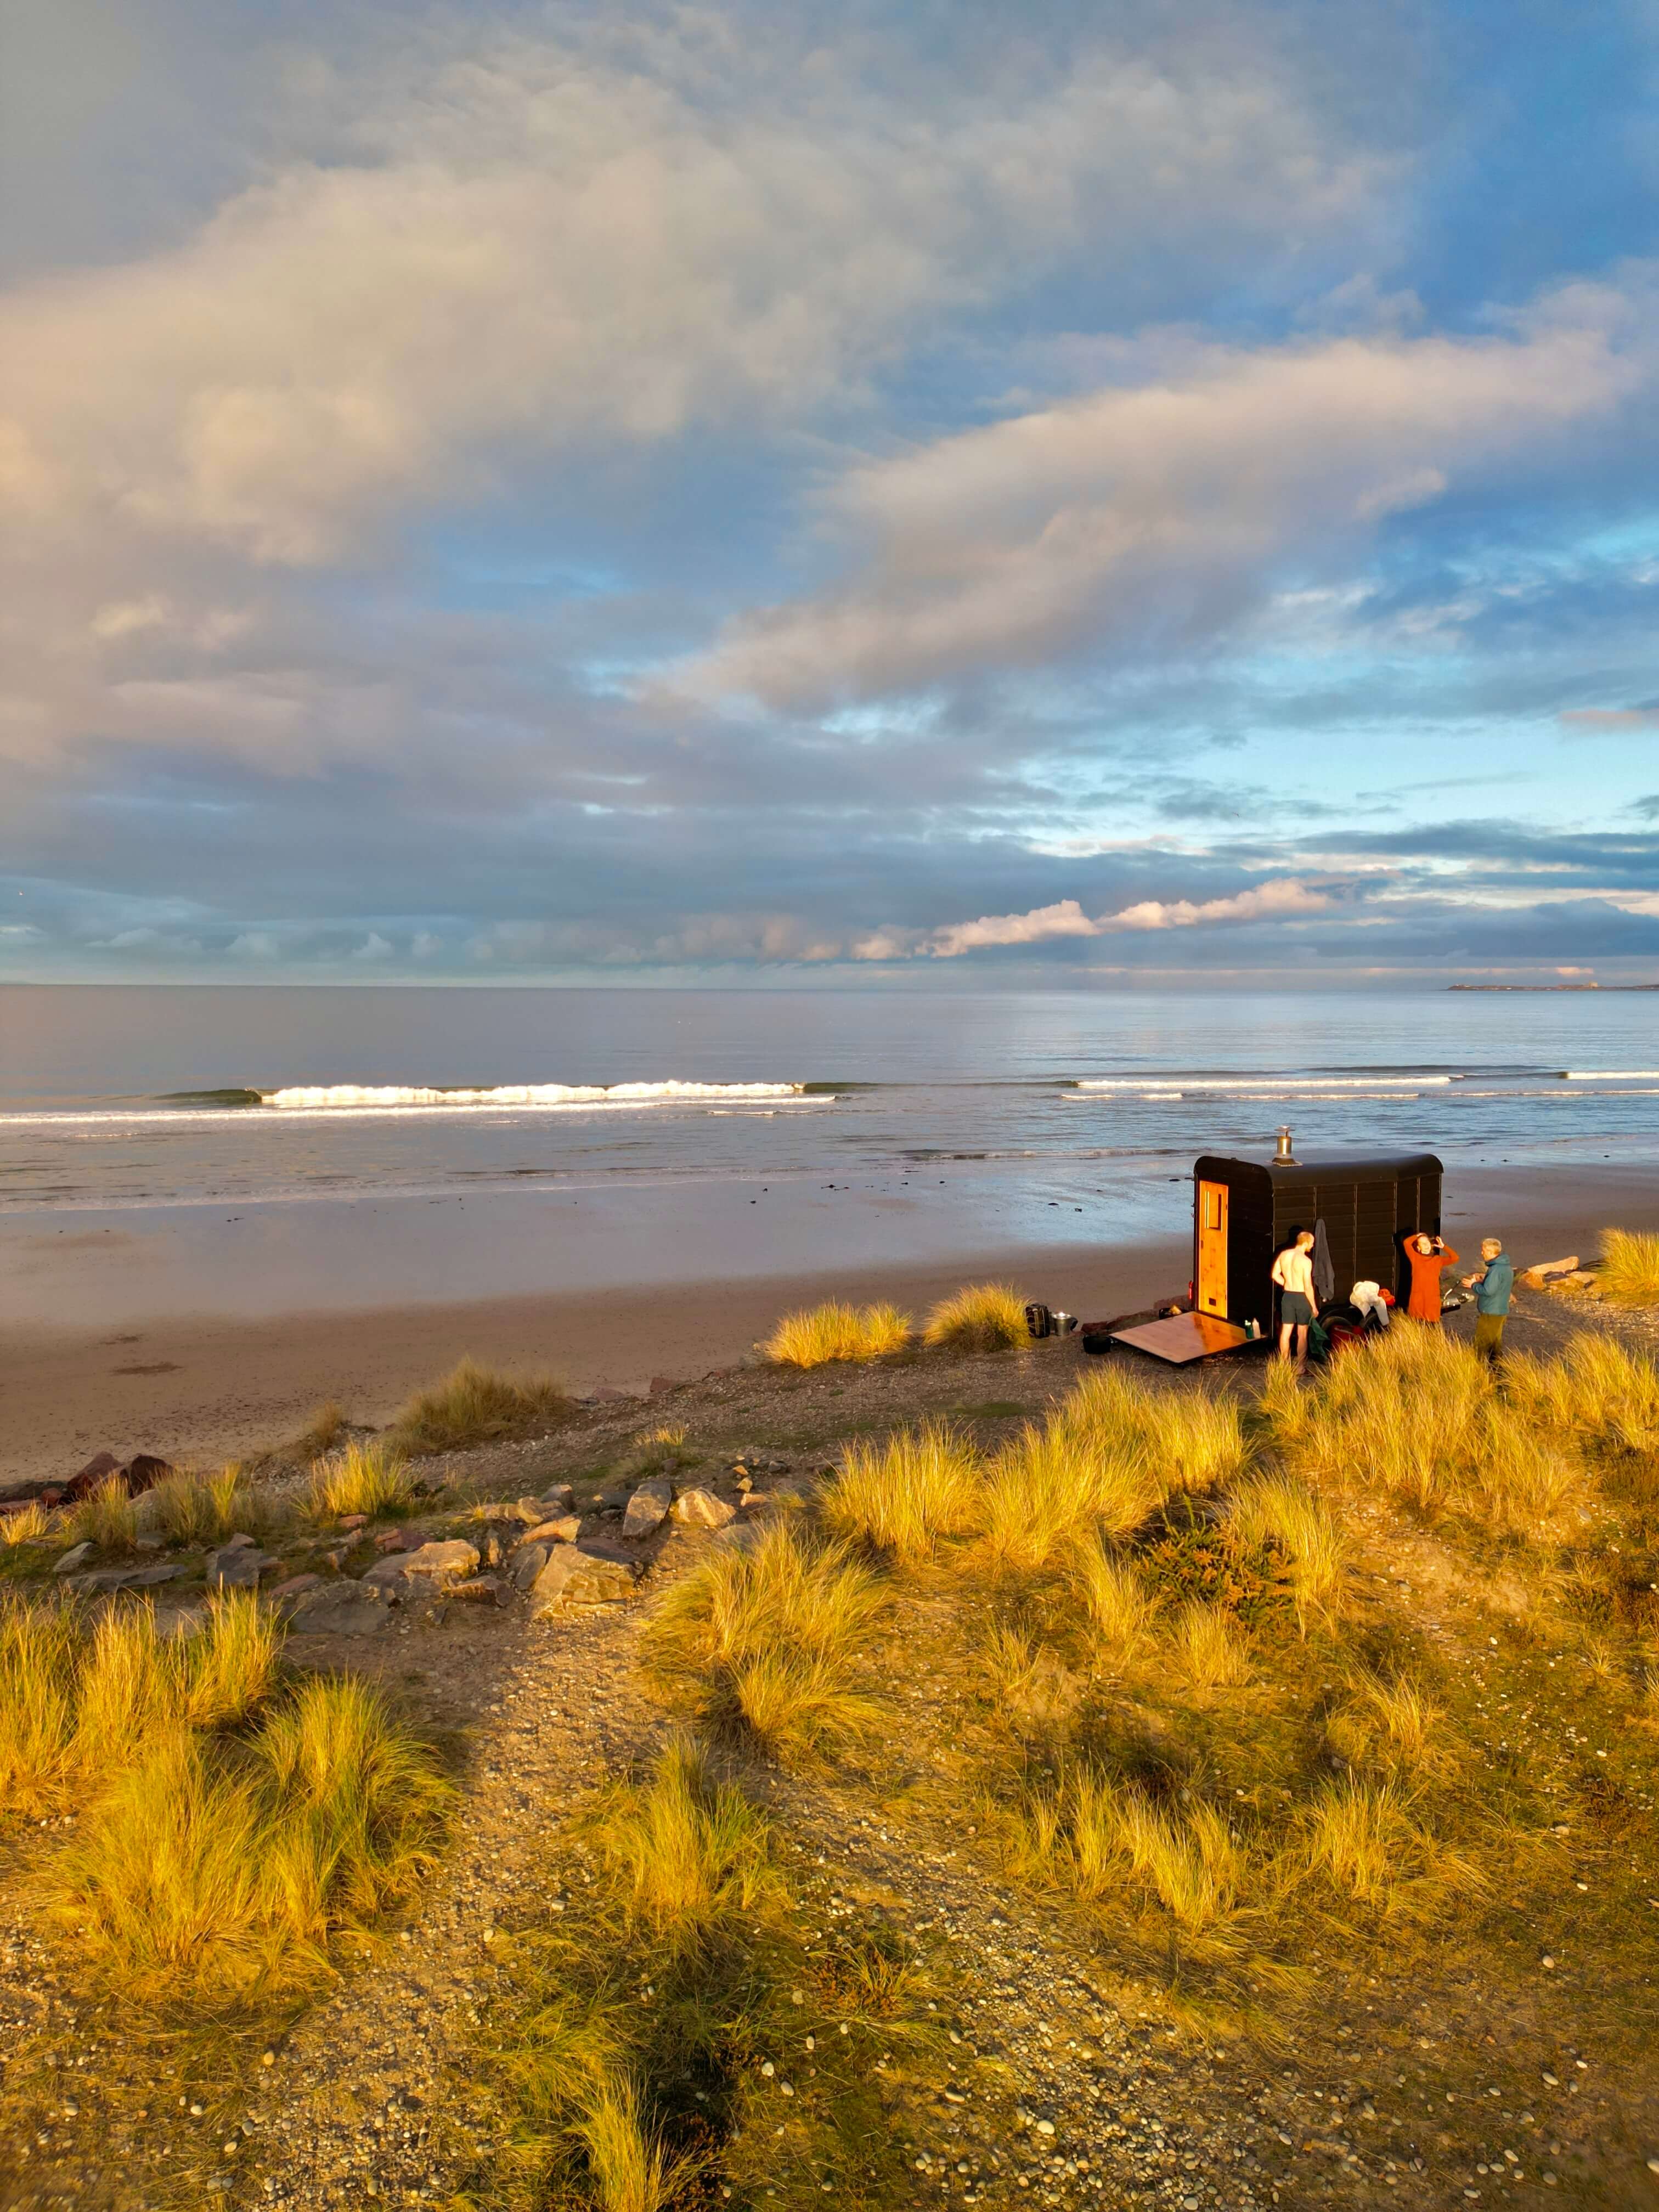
(197, 1386)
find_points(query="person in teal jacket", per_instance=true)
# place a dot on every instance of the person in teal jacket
(1492, 1288)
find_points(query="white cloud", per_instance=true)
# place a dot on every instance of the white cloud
(528, 250)
(1282, 897)
(1153, 513)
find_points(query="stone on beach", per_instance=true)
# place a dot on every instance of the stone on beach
(582, 1574)
(563, 1530)
(439, 1562)
(239, 1564)
(647, 1508)
(701, 1509)
(341, 1608)
(75, 1557)
(527, 1563)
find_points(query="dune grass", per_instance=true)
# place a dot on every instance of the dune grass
(630, 2040)
(1363, 1837)
(1207, 1648)
(1598, 1393)
(1628, 1270)
(1311, 1547)
(769, 1639)
(108, 1519)
(904, 1495)
(371, 1478)
(687, 1851)
(324, 1433)
(1049, 1491)
(818, 1335)
(1422, 1421)
(223, 1869)
(1100, 1838)
(475, 1405)
(193, 1509)
(979, 1318)
(1390, 1725)
(1119, 1608)
(25, 1525)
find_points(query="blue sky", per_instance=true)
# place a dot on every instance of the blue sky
(857, 494)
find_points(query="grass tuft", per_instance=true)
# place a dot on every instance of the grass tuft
(688, 1852)
(25, 1525)
(476, 1405)
(1207, 1648)
(1364, 1838)
(770, 1638)
(370, 1478)
(1275, 1515)
(904, 1495)
(1119, 1608)
(108, 1519)
(1628, 1272)
(324, 1433)
(193, 1509)
(1051, 1491)
(1099, 1837)
(979, 1318)
(1424, 1421)
(817, 1335)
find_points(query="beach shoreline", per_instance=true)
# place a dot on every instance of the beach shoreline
(199, 1387)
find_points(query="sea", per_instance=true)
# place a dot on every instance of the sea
(262, 1148)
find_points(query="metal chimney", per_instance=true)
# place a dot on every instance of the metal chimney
(1285, 1158)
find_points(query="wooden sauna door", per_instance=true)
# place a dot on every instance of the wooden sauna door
(1212, 1247)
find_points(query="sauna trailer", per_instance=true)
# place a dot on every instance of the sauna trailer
(1246, 1211)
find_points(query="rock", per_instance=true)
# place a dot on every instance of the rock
(564, 1530)
(558, 1498)
(238, 1565)
(143, 1471)
(530, 1510)
(336, 1559)
(527, 1563)
(97, 1469)
(150, 1543)
(443, 1560)
(701, 1509)
(647, 1508)
(605, 1397)
(342, 1608)
(587, 1573)
(105, 1581)
(297, 1585)
(1544, 1271)
(354, 1521)
(658, 1384)
(75, 1557)
(480, 1590)
(237, 1543)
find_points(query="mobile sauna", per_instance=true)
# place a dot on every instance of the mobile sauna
(1245, 1212)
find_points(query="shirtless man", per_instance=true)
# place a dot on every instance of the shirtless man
(1293, 1273)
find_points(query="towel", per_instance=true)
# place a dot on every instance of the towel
(1324, 1274)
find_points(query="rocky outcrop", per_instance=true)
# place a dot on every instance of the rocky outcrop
(582, 1574)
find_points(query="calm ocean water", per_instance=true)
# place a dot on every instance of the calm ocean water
(136, 1098)
(744, 1130)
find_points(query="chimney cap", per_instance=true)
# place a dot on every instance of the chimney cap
(1283, 1156)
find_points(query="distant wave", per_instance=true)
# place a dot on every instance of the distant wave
(1169, 1083)
(1610, 1075)
(322, 1098)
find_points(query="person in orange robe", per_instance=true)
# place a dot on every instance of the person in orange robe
(1430, 1257)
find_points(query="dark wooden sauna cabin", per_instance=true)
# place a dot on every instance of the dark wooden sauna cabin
(1245, 1212)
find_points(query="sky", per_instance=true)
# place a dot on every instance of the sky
(926, 493)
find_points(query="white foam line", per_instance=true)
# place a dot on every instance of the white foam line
(313, 1096)
(239, 1115)
(1611, 1075)
(1317, 1083)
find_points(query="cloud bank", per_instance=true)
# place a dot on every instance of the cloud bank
(541, 494)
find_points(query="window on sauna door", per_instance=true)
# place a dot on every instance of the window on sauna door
(1212, 1247)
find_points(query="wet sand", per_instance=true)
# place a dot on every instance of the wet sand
(201, 1386)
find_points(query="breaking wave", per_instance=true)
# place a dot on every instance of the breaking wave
(346, 1096)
